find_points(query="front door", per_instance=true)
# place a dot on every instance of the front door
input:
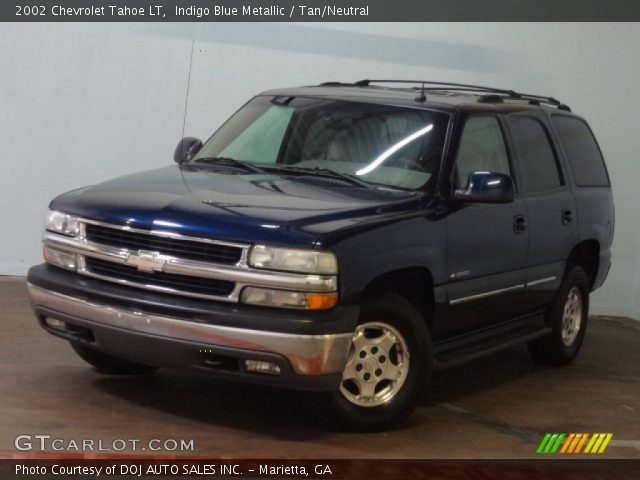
(486, 243)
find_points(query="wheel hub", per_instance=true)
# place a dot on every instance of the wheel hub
(572, 317)
(377, 366)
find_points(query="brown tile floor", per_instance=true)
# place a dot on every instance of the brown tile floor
(495, 408)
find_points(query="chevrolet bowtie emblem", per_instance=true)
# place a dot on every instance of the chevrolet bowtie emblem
(146, 261)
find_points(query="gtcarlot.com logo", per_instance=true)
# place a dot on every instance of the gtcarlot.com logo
(574, 442)
(43, 442)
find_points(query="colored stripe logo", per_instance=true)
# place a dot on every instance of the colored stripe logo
(574, 443)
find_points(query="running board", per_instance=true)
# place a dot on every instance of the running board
(449, 356)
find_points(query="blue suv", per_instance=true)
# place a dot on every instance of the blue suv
(341, 238)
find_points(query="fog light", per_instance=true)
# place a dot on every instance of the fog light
(257, 366)
(59, 258)
(56, 324)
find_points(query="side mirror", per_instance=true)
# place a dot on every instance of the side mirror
(186, 149)
(487, 187)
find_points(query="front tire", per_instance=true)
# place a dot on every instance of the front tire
(387, 368)
(110, 365)
(568, 321)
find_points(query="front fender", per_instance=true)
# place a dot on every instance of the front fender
(417, 241)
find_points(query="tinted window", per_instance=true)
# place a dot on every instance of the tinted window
(582, 151)
(481, 149)
(539, 165)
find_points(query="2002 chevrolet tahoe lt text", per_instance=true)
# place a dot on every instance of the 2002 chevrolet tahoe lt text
(344, 238)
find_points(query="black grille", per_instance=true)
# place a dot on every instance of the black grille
(189, 249)
(183, 283)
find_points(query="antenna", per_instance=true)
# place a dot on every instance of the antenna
(422, 97)
(186, 98)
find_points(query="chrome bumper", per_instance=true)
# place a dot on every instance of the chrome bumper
(307, 354)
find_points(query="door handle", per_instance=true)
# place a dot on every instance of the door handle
(520, 223)
(567, 216)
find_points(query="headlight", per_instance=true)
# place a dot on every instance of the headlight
(293, 260)
(62, 223)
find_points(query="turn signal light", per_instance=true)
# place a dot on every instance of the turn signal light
(288, 299)
(59, 258)
(321, 301)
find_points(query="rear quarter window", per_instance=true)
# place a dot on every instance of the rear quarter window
(581, 149)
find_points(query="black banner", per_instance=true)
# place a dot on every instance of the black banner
(318, 469)
(317, 10)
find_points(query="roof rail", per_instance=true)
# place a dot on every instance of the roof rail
(334, 84)
(498, 94)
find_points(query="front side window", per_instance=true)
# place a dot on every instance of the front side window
(481, 149)
(538, 160)
(380, 144)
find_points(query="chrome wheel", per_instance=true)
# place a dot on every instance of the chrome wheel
(377, 366)
(572, 316)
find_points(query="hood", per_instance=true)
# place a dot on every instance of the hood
(276, 208)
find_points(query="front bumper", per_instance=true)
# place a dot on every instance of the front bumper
(142, 332)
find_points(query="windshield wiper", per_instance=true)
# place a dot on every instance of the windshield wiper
(326, 172)
(230, 161)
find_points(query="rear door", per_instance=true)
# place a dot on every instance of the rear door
(550, 206)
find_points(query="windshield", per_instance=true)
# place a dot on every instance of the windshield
(394, 146)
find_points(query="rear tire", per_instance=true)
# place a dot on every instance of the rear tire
(568, 320)
(388, 366)
(110, 365)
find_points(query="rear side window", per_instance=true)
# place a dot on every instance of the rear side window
(538, 160)
(582, 152)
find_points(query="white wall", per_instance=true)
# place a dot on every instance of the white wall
(82, 103)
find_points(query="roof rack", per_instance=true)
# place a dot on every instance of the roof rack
(495, 95)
